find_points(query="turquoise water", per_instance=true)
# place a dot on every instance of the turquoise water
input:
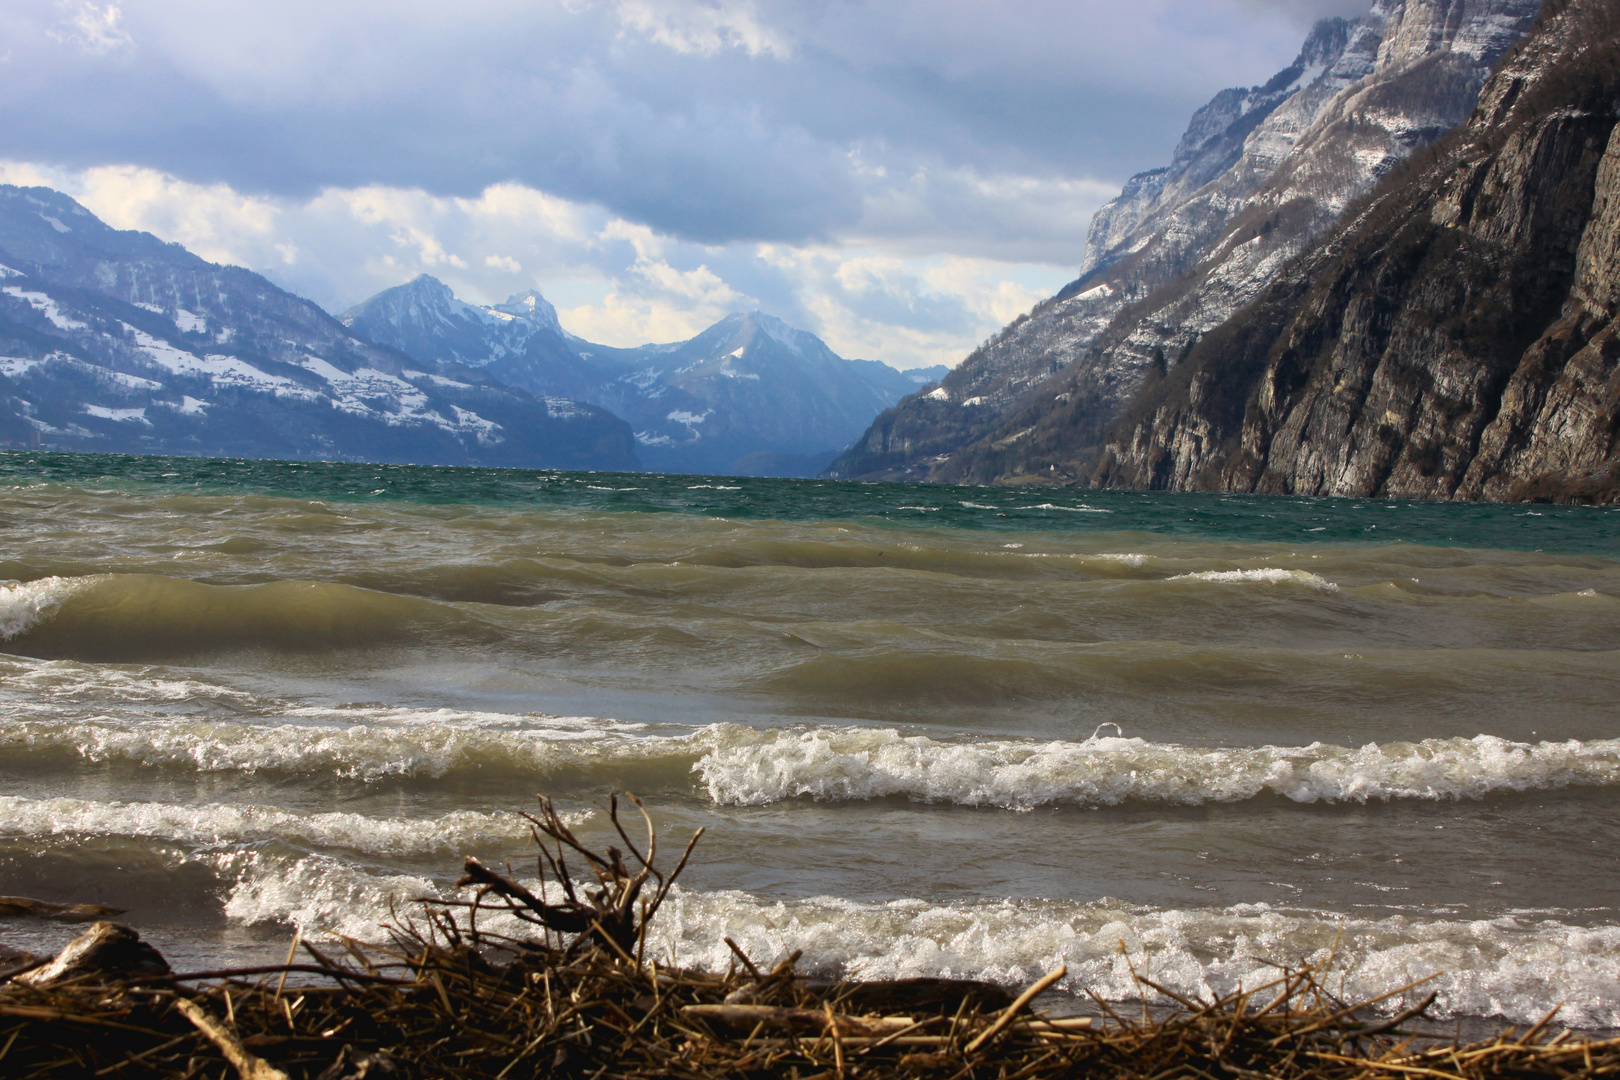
(1550, 528)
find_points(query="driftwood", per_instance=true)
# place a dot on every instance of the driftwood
(250, 1067)
(106, 950)
(20, 907)
(579, 999)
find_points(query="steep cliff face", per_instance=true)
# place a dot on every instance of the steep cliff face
(1454, 339)
(1259, 174)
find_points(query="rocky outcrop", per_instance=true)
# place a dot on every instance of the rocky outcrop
(1454, 339)
(115, 341)
(1258, 175)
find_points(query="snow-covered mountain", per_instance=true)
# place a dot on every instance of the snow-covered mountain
(117, 341)
(748, 395)
(1258, 175)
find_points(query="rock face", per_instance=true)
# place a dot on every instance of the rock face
(1258, 174)
(748, 395)
(115, 341)
(1454, 339)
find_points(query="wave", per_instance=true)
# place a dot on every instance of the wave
(213, 824)
(741, 766)
(1266, 575)
(857, 764)
(1517, 966)
(357, 751)
(132, 616)
(1082, 509)
(24, 603)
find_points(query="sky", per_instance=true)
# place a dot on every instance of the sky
(900, 177)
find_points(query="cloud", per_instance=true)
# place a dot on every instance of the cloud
(1305, 12)
(704, 27)
(92, 28)
(715, 121)
(900, 176)
(613, 281)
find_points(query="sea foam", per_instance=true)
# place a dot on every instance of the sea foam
(1516, 966)
(23, 604)
(1270, 575)
(210, 824)
(755, 768)
(743, 766)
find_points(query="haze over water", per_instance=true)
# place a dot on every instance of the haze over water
(932, 731)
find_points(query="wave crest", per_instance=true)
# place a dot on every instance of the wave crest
(852, 764)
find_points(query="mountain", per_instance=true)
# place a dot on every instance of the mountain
(116, 341)
(748, 395)
(1456, 338)
(1259, 173)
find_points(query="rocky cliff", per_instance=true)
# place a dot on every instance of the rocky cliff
(1258, 175)
(1454, 339)
(116, 341)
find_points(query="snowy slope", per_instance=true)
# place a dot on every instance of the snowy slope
(117, 341)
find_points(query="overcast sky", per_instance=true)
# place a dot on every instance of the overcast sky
(901, 177)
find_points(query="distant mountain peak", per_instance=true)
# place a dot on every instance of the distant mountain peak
(532, 306)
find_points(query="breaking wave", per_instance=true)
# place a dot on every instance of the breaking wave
(1268, 575)
(131, 616)
(851, 764)
(741, 766)
(24, 603)
(1516, 966)
(215, 823)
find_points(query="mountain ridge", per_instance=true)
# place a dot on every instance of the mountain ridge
(1176, 254)
(747, 394)
(118, 341)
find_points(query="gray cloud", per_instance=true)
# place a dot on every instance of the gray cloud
(709, 120)
(1305, 12)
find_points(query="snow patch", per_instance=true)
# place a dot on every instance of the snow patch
(45, 306)
(126, 415)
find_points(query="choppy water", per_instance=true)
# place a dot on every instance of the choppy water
(932, 730)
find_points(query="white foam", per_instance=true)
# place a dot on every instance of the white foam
(357, 751)
(1071, 509)
(738, 765)
(1124, 558)
(213, 824)
(1514, 967)
(751, 768)
(1268, 575)
(318, 894)
(24, 603)
(1518, 967)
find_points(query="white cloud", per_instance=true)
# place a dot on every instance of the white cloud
(613, 281)
(93, 28)
(704, 27)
